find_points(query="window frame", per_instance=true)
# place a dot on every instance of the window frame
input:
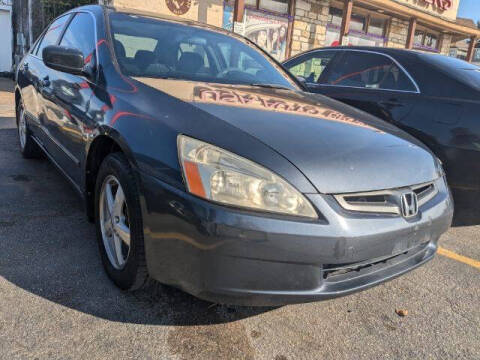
(368, 15)
(36, 48)
(73, 16)
(258, 8)
(406, 73)
(427, 32)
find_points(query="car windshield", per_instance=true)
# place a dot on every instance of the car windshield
(150, 47)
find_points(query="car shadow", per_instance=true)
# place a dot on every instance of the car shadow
(49, 249)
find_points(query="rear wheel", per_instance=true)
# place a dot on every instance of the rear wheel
(119, 223)
(28, 147)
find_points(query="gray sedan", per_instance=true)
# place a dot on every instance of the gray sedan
(205, 166)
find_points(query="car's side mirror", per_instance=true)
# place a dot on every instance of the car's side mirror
(64, 59)
(302, 80)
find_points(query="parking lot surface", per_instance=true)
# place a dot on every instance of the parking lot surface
(56, 301)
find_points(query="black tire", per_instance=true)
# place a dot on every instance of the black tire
(134, 274)
(29, 149)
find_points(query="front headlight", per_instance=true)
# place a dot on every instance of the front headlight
(218, 175)
(439, 167)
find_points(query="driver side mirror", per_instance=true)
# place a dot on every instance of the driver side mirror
(302, 80)
(64, 59)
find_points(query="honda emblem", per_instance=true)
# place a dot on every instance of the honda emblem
(409, 204)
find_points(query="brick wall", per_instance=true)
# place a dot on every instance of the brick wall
(310, 25)
(398, 33)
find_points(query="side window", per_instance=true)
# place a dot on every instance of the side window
(311, 66)
(52, 34)
(367, 70)
(80, 35)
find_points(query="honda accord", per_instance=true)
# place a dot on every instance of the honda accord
(205, 165)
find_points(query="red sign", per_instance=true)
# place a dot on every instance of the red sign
(442, 4)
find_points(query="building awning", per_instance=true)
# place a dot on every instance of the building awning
(410, 12)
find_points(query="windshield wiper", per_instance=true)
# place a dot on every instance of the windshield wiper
(271, 86)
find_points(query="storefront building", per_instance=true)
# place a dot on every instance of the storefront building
(287, 27)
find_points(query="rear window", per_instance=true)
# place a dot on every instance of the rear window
(154, 48)
(447, 63)
(460, 70)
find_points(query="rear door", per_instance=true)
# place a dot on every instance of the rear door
(372, 82)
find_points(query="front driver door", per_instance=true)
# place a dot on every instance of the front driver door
(309, 67)
(71, 95)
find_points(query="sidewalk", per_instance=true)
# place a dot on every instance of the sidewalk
(7, 103)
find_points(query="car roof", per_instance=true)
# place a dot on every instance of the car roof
(384, 50)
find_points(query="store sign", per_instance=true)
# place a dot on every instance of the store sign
(179, 7)
(444, 8)
(442, 4)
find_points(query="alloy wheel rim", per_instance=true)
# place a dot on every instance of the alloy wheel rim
(114, 222)
(22, 129)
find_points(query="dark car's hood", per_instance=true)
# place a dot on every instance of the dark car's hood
(338, 148)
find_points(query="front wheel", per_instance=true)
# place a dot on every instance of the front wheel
(118, 222)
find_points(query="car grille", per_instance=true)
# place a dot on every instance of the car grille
(340, 272)
(385, 201)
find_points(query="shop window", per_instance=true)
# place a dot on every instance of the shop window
(277, 6)
(376, 26)
(369, 71)
(311, 66)
(365, 29)
(418, 40)
(280, 6)
(335, 16)
(358, 23)
(431, 41)
(425, 40)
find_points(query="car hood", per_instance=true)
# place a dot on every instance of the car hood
(338, 148)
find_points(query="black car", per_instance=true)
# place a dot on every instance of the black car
(433, 97)
(205, 166)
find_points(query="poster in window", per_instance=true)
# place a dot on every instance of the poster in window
(268, 31)
(228, 17)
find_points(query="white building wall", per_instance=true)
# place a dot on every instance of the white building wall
(6, 36)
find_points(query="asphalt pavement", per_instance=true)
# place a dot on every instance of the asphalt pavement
(57, 303)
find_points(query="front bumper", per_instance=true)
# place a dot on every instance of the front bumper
(227, 255)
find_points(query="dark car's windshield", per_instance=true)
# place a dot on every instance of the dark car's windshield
(149, 47)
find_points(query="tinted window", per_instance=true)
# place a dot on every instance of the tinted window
(310, 67)
(52, 34)
(149, 47)
(80, 35)
(463, 71)
(367, 70)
